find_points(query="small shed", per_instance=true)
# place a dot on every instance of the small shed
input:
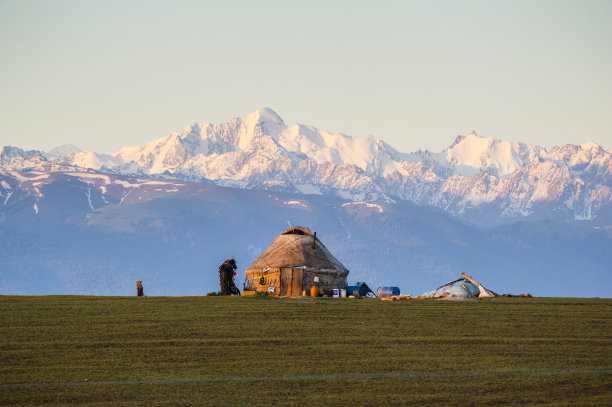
(295, 261)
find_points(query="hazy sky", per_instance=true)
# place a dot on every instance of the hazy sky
(102, 74)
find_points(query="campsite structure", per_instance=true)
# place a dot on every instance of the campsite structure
(296, 261)
(465, 287)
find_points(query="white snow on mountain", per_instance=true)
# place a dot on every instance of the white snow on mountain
(63, 150)
(377, 207)
(263, 131)
(476, 177)
(16, 159)
(472, 154)
(89, 159)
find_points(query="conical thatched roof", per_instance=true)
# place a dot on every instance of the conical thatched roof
(294, 248)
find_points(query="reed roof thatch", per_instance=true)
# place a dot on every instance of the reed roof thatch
(294, 248)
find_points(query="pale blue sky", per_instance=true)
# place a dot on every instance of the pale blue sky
(102, 74)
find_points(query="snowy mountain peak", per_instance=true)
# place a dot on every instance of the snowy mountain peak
(264, 115)
(16, 159)
(63, 150)
(89, 159)
(13, 152)
(594, 148)
(473, 153)
(462, 137)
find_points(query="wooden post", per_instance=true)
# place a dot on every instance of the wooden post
(466, 290)
(139, 289)
(470, 279)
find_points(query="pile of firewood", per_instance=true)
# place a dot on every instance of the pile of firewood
(397, 297)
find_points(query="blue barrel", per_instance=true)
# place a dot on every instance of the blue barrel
(383, 292)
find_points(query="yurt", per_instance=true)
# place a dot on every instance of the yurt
(295, 261)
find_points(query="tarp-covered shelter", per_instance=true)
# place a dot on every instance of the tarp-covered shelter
(295, 261)
(465, 287)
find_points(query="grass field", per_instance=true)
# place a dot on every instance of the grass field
(269, 351)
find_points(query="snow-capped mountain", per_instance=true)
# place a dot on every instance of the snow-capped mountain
(89, 159)
(483, 180)
(168, 212)
(63, 150)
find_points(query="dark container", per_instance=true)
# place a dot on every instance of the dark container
(354, 290)
(359, 290)
(383, 292)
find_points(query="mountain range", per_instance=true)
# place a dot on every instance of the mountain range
(83, 222)
(481, 180)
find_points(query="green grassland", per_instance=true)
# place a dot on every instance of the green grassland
(269, 351)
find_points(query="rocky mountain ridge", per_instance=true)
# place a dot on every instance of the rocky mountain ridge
(485, 181)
